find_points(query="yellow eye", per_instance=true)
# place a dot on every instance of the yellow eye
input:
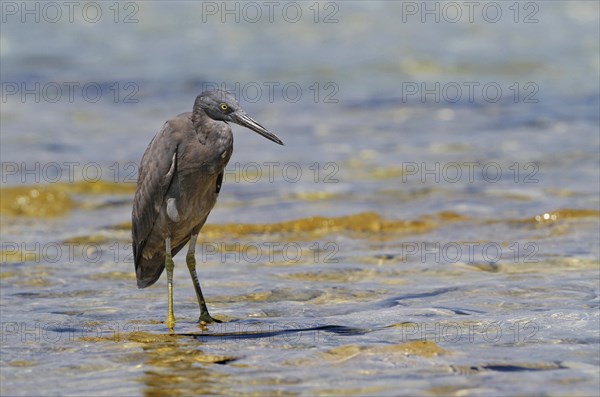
(223, 106)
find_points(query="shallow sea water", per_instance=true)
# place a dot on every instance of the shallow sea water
(395, 245)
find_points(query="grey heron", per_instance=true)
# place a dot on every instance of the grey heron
(180, 176)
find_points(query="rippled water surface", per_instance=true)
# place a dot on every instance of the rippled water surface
(404, 241)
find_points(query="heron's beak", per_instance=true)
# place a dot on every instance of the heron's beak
(243, 119)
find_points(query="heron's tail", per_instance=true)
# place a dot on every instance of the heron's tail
(148, 271)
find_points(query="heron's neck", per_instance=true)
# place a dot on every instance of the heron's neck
(200, 121)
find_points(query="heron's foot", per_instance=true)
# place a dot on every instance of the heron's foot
(206, 318)
(171, 323)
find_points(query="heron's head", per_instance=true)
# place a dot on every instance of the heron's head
(221, 105)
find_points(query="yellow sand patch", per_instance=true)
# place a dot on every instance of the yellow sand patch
(52, 200)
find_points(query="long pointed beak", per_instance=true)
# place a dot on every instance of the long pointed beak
(243, 119)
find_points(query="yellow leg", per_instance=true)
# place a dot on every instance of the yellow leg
(190, 259)
(169, 265)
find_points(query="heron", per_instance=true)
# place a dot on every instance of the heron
(180, 177)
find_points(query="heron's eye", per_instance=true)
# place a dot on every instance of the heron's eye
(224, 106)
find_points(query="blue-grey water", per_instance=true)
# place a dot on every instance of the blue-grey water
(430, 227)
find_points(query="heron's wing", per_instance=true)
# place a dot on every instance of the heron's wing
(219, 182)
(157, 168)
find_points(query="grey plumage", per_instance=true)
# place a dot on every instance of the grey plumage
(180, 177)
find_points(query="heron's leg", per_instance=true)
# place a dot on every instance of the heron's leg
(169, 265)
(190, 259)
